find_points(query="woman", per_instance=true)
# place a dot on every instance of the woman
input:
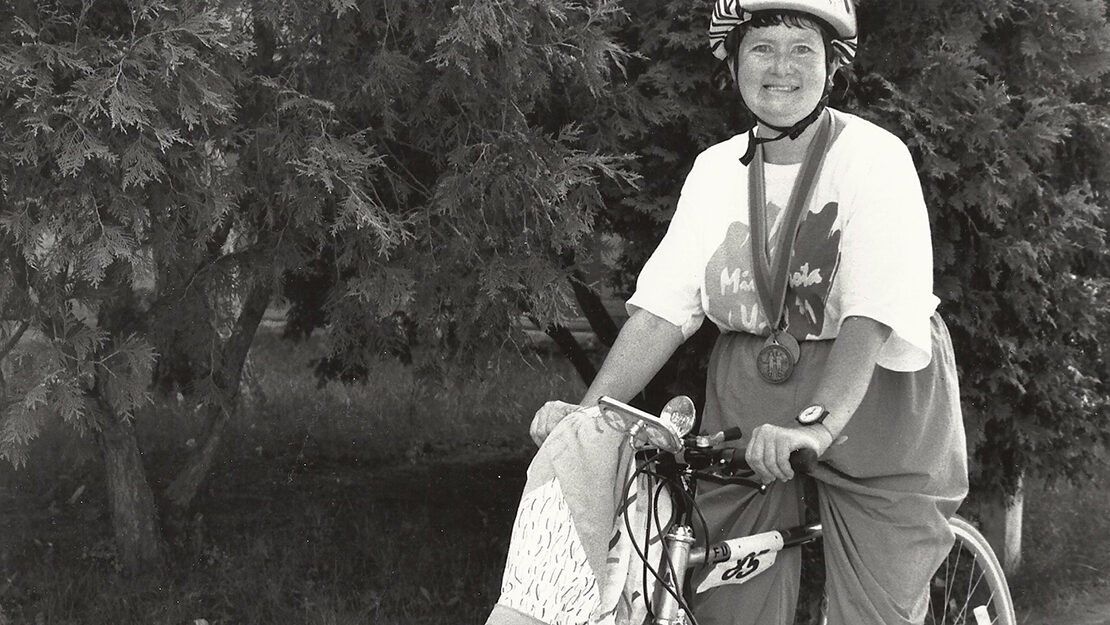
(806, 240)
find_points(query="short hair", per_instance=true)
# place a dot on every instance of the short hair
(722, 77)
(793, 19)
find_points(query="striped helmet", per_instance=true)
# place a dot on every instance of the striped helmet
(840, 15)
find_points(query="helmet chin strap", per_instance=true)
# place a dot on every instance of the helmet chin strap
(784, 131)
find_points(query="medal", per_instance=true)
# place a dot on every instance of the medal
(779, 355)
(775, 361)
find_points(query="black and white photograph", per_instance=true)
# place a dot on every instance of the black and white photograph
(555, 312)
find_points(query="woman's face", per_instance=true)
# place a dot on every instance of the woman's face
(781, 72)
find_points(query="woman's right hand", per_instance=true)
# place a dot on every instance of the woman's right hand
(547, 417)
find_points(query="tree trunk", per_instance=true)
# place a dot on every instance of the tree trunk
(1001, 526)
(593, 309)
(180, 493)
(226, 375)
(658, 390)
(570, 347)
(131, 501)
(134, 515)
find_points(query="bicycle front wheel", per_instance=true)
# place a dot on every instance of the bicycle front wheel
(969, 588)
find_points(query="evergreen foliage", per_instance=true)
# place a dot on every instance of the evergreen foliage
(494, 186)
(1003, 106)
(167, 165)
(105, 151)
(409, 172)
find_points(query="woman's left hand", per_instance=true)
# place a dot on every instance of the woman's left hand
(770, 447)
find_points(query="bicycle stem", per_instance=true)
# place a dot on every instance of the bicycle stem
(678, 542)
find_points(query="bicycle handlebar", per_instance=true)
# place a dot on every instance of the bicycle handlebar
(804, 460)
(705, 454)
(668, 452)
(736, 470)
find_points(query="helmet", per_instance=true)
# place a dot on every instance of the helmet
(840, 15)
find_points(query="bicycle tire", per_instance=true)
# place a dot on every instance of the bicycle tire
(969, 587)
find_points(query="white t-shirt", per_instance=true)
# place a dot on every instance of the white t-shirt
(863, 247)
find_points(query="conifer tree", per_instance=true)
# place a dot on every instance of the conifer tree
(169, 169)
(1002, 104)
(167, 165)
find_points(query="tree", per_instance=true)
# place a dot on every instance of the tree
(122, 161)
(106, 113)
(447, 168)
(210, 150)
(1000, 104)
(497, 185)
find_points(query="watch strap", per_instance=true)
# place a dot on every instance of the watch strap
(820, 418)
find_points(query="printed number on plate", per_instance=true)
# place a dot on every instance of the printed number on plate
(750, 556)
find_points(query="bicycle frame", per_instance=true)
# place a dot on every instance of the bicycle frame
(734, 561)
(965, 590)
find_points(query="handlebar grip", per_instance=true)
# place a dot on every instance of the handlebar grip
(733, 434)
(804, 460)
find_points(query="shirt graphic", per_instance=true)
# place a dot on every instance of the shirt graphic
(863, 247)
(731, 296)
(812, 268)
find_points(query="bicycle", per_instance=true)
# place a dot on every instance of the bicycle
(968, 588)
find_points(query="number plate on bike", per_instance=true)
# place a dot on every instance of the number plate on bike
(748, 556)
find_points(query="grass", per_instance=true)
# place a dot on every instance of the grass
(1065, 571)
(384, 503)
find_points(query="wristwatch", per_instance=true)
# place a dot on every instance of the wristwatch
(813, 415)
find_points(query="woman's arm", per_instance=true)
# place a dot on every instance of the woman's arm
(840, 390)
(848, 371)
(643, 346)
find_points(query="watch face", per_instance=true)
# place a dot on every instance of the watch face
(813, 414)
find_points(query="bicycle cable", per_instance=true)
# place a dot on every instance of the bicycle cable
(676, 594)
(644, 558)
(627, 503)
(691, 503)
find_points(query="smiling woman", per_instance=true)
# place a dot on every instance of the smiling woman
(781, 73)
(805, 239)
(785, 69)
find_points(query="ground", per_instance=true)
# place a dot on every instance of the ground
(429, 512)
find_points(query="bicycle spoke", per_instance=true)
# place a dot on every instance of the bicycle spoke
(951, 585)
(969, 585)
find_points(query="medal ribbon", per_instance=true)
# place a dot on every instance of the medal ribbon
(771, 279)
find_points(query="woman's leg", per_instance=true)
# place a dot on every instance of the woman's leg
(881, 548)
(769, 598)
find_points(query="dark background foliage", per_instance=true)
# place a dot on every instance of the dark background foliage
(416, 178)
